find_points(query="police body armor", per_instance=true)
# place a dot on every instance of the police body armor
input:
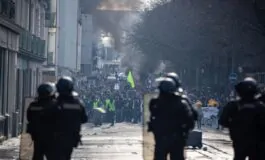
(41, 116)
(72, 115)
(170, 115)
(239, 117)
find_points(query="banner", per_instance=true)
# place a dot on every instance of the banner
(210, 117)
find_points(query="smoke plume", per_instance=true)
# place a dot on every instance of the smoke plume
(118, 17)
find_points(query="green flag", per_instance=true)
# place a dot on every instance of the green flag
(130, 79)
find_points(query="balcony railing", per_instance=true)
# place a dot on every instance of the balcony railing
(8, 9)
(32, 44)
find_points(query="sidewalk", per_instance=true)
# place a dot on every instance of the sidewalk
(10, 143)
(9, 149)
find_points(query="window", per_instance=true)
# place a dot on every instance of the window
(37, 22)
(2, 59)
(1, 91)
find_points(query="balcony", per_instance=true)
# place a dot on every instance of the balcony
(8, 9)
(8, 15)
(32, 46)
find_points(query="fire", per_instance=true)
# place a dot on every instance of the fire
(120, 5)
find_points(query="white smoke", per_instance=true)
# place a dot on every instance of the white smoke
(122, 25)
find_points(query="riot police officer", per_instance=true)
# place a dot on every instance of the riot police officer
(244, 118)
(171, 119)
(41, 115)
(72, 114)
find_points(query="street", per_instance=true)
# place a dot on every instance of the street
(216, 145)
(124, 142)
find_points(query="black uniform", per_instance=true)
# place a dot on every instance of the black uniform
(119, 106)
(72, 115)
(174, 76)
(170, 121)
(41, 116)
(137, 111)
(127, 110)
(68, 125)
(262, 130)
(245, 120)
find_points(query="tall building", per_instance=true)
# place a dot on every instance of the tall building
(87, 41)
(23, 39)
(68, 26)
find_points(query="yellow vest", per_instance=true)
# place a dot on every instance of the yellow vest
(95, 104)
(112, 106)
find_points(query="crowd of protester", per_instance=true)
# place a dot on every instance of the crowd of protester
(128, 100)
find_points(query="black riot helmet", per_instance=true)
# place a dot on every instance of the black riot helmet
(65, 85)
(248, 88)
(166, 85)
(175, 77)
(46, 90)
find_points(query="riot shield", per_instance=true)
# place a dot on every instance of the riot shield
(26, 143)
(148, 139)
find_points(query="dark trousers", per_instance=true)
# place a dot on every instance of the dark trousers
(119, 115)
(42, 149)
(64, 152)
(127, 115)
(64, 147)
(169, 145)
(242, 151)
(112, 117)
(199, 123)
(136, 116)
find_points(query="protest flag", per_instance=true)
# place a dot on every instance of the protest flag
(130, 79)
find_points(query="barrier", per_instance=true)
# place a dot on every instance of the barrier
(210, 114)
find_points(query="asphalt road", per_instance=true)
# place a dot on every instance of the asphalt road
(125, 142)
(121, 142)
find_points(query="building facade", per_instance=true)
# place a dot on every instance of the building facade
(68, 25)
(23, 41)
(49, 70)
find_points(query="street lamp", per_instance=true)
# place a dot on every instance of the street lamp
(106, 40)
